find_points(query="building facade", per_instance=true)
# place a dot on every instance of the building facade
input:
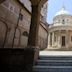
(15, 19)
(60, 32)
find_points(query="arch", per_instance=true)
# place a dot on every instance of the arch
(3, 33)
(25, 33)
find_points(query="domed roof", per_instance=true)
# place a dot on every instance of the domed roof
(63, 11)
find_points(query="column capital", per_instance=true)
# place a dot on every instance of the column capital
(36, 7)
(38, 3)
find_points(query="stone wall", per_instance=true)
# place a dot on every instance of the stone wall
(9, 14)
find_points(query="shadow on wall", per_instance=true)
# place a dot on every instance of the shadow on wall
(16, 60)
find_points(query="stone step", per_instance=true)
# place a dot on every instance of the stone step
(55, 58)
(46, 67)
(52, 68)
(54, 62)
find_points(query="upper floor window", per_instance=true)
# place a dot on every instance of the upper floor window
(25, 33)
(21, 16)
(51, 39)
(63, 21)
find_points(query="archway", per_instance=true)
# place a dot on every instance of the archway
(3, 33)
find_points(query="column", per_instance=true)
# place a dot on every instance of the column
(48, 41)
(59, 39)
(34, 27)
(33, 33)
(67, 39)
(53, 39)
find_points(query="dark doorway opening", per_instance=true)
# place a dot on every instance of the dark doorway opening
(63, 40)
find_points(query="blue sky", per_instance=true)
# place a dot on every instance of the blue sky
(55, 5)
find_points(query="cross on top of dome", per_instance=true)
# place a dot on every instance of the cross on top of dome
(63, 11)
(63, 7)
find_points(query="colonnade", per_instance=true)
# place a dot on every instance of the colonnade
(55, 40)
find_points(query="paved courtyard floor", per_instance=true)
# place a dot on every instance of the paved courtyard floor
(55, 53)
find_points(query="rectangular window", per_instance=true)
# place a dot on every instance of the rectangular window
(20, 16)
(63, 40)
(63, 21)
(51, 39)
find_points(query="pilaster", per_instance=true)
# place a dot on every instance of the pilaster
(67, 39)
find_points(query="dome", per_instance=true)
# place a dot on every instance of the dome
(63, 11)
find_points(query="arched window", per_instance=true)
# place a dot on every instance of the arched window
(25, 33)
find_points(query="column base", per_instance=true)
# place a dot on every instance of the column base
(36, 52)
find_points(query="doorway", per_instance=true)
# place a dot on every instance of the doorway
(63, 41)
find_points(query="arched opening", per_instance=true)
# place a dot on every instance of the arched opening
(25, 33)
(3, 33)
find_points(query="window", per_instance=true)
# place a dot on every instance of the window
(51, 39)
(63, 21)
(63, 41)
(54, 38)
(21, 16)
(25, 33)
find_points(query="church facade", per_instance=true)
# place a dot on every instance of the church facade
(60, 32)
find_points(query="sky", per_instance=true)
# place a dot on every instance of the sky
(55, 5)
